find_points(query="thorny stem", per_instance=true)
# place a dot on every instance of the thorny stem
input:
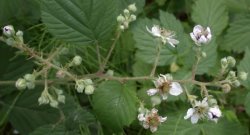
(110, 52)
(156, 60)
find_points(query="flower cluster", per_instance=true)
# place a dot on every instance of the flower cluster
(201, 35)
(203, 110)
(165, 35)
(150, 119)
(127, 17)
(85, 84)
(12, 37)
(53, 99)
(28, 81)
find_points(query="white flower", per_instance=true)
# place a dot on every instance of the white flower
(151, 119)
(164, 86)
(199, 111)
(214, 113)
(200, 35)
(165, 35)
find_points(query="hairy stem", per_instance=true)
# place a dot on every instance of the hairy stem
(156, 60)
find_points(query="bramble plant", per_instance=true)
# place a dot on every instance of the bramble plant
(102, 67)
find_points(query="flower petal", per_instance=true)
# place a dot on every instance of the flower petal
(145, 125)
(152, 92)
(194, 118)
(141, 117)
(163, 119)
(164, 96)
(172, 41)
(175, 89)
(190, 112)
(153, 129)
(197, 29)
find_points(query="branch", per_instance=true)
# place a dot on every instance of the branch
(156, 60)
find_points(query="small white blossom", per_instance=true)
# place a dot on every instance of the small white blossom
(214, 113)
(165, 86)
(8, 30)
(199, 111)
(165, 35)
(200, 35)
(151, 120)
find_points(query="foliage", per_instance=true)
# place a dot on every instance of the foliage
(124, 67)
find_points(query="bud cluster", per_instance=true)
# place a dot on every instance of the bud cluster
(52, 99)
(28, 81)
(233, 78)
(127, 17)
(12, 37)
(85, 84)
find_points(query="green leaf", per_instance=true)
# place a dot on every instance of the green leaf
(211, 13)
(237, 36)
(147, 44)
(80, 22)
(244, 66)
(238, 5)
(54, 130)
(178, 126)
(247, 103)
(115, 104)
(26, 115)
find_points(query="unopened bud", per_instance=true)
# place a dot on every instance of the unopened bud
(212, 102)
(174, 67)
(156, 100)
(89, 89)
(110, 73)
(224, 63)
(226, 88)
(8, 31)
(126, 12)
(132, 17)
(30, 85)
(21, 84)
(77, 60)
(10, 41)
(122, 27)
(231, 61)
(132, 7)
(232, 74)
(243, 76)
(61, 98)
(88, 82)
(30, 77)
(120, 19)
(236, 83)
(80, 88)
(203, 54)
(60, 74)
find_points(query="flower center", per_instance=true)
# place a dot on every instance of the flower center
(165, 87)
(201, 110)
(153, 120)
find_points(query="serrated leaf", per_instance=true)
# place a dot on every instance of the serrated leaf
(244, 66)
(147, 44)
(80, 22)
(54, 130)
(237, 36)
(211, 13)
(115, 104)
(178, 126)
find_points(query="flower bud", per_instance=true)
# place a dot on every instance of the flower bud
(236, 83)
(30, 85)
(21, 84)
(126, 12)
(203, 54)
(156, 100)
(10, 41)
(212, 102)
(224, 63)
(30, 77)
(122, 27)
(120, 19)
(77, 60)
(61, 98)
(231, 61)
(60, 74)
(88, 82)
(243, 76)
(8, 31)
(226, 88)
(19, 35)
(89, 89)
(53, 103)
(232, 74)
(174, 67)
(132, 7)
(110, 73)
(80, 88)
(132, 18)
